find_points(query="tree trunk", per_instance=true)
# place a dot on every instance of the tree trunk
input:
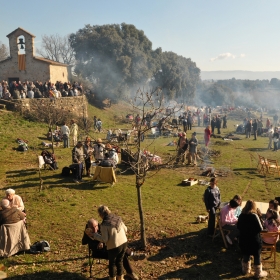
(140, 208)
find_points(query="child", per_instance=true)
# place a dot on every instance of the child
(212, 200)
(271, 224)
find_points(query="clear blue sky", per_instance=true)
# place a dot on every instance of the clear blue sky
(216, 34)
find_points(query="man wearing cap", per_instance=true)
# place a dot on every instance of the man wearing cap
(78, 157)
(98, 150)
(14, 199)
(182, 148)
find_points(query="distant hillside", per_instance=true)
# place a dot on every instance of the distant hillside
(238, 74)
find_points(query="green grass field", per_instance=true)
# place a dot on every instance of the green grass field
(178, 248)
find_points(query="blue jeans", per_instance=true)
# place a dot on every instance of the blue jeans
(66, 141)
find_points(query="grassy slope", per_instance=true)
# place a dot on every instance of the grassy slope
(178, 247)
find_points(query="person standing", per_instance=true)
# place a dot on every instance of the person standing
(275, 138)
(192, 149)
(65, 132)
(74, 131)
(182, 148)
(94, 123)
(207, 134)
(248, 129)
(218, 124)
(270, 133)
(225, 121)
(255, 128)
(212, 201)
(88, 149)
(213, 124)
(185, 124)
(99, 125)
(250, 241)
(113, 234)
(189, 121)
(78, 156)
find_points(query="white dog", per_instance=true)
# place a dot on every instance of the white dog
(202, 219)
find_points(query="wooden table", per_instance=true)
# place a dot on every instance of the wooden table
(263, 206)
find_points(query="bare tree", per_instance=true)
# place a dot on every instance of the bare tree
(48, 112)
(4, 51)
(149, 106)
(57, 48)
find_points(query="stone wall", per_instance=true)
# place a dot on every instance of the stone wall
(74, 105)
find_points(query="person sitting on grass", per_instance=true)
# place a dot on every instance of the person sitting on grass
(229, 220)
(99, 250)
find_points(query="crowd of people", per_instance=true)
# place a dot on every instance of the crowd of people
(88, 152)
(244, 225)
(37, 89)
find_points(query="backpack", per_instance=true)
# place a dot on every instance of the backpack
(39, 247)
(65, 171)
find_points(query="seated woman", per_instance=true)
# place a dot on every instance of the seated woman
(14, 199)
(50, 159)
(272, 224)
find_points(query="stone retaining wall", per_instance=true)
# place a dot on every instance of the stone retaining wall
(74, 105)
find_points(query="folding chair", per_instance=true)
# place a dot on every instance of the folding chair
(272, 167)
(270, 248)
(219, 229)
(262, 165)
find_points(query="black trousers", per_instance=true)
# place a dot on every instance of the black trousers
(103, 254)
(211, 221)
(115, 256)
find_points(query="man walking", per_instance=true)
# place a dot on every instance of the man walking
(65, 132)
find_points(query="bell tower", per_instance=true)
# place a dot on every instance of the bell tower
(21, 47)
